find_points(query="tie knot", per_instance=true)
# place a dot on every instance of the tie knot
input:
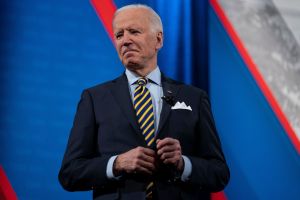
(142, 81)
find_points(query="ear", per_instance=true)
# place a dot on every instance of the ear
(160, 40)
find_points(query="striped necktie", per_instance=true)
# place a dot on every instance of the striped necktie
(144, 110)
(145, 116)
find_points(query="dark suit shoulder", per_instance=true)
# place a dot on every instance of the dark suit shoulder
(103, 87)
(194, 89)
(187, 88)
(99, 86)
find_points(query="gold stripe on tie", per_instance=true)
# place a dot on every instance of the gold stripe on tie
(146, 121)
(141, 100)
(145, 115)
(137, 96)
(149, 195)
(150, 185)
(148, 135)
(143, 106)
(151, 141)
(148, 127)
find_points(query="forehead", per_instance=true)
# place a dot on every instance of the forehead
(132, 17)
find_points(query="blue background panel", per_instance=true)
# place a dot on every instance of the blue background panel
(50, 52)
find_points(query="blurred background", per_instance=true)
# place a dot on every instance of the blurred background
(244, 53)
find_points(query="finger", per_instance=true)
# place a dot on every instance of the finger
(149, 152)
(166, 141)
(171, 155)
(135, 159)
(142, 150)
(167, 155)
(146, 158)
(168, 148)
(146, 167)
(135, 164)
(143, 170)
(139, 169)
(145, 154)
(172, 161)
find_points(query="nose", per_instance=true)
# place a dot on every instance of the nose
(126, 39)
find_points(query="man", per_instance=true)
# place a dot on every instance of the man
(142, 135)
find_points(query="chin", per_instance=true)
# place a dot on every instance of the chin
(133, 65)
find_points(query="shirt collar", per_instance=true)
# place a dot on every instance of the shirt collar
(154, 76)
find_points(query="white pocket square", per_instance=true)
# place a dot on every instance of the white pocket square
(181, 105)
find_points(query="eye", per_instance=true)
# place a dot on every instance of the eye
(134, 31)
(118, 36)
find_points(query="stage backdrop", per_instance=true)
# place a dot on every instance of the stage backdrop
(51, 50)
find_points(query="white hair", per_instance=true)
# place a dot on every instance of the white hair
(154, 18)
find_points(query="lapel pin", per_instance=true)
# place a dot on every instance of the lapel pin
(169, 98)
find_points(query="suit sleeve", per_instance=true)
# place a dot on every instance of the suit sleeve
(83, 166)
(209, 168)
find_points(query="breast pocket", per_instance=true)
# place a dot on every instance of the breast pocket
(182, 119)
(182, 125)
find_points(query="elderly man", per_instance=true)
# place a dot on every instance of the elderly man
(143, 135)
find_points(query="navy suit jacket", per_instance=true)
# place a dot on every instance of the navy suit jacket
(105, 125)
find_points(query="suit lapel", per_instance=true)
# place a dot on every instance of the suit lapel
(168, 85)
(120, 91)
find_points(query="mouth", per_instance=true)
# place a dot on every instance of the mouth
(128, 51)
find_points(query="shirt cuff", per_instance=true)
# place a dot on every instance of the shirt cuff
(187, 169)
(109, 169)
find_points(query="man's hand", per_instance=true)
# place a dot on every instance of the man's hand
(169, 152)
(137, 160)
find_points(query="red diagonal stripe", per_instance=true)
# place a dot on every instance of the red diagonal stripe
(218, 196)
(6, 190)
(105, 10)
(256, 74)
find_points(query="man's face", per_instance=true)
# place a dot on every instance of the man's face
(136, 41)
